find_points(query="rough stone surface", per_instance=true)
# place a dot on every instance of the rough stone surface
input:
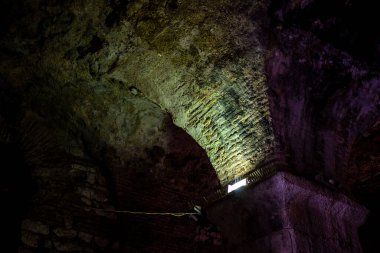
(85, 237)
(59, 220)
(330, 121)
(65, 233)
(30, 239)
(205, 68)
(35, 227)
(67, 247)
(210, 70)
(89, 91)
(288, 214)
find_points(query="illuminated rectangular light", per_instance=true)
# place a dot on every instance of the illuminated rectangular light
(237, 185)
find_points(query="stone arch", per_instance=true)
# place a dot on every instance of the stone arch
(205, 68)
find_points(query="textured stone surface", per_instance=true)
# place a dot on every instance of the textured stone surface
(65, 233)
(288, 214)
(88, 91)
(70, 210)
(329, 120)
(35, 227)
(323, 89)
(30, 239)
(85, 63)
(205, 68)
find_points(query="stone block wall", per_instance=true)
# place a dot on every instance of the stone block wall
(61, 218)
(288, 214)
(71, 210)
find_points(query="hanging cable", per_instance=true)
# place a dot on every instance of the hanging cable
(142, 213)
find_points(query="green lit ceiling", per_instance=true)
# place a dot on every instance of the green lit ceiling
(205, 68)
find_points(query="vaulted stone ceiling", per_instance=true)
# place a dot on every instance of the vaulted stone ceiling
(202, 62)
(228, 72)
(292, 85)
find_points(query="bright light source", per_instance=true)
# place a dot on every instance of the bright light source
(237, 185)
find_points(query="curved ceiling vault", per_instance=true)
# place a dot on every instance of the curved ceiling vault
(204, 67)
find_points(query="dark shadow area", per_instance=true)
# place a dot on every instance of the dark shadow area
(368, 233)
(168, 178)
(16, 182)
(350, 26)
(16, 190)
(366, 190)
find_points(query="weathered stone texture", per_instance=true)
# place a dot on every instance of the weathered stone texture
(72, 210)
(324, 100)
(204, 67)
(288, 214)
(35, 227)
(107, 78)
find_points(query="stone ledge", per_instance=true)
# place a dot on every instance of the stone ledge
(316, 217)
